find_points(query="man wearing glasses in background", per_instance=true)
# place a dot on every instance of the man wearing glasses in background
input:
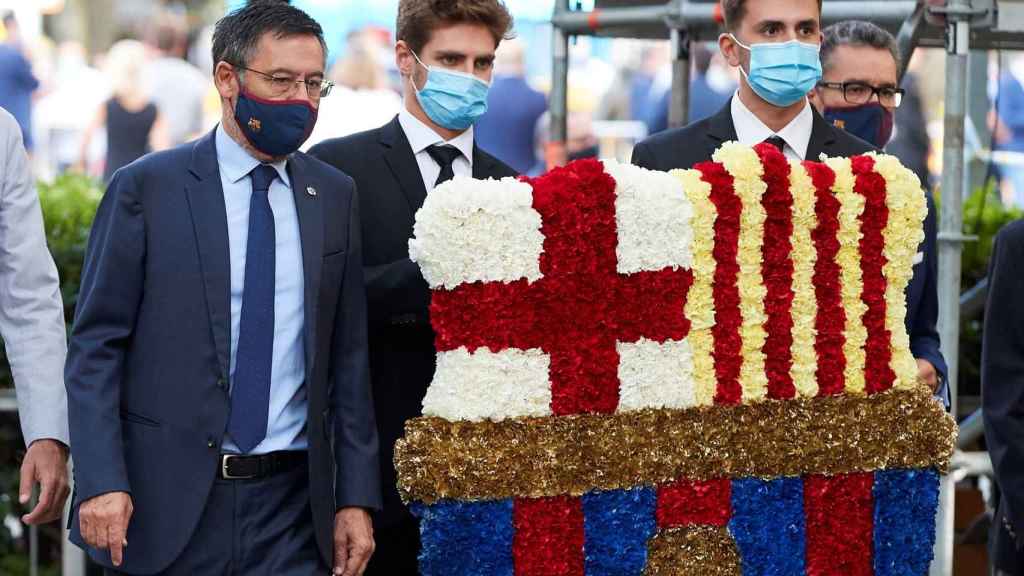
(859, 92)
(220, 409)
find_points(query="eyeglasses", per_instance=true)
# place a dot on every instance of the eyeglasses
(861, 93)
(281, 84)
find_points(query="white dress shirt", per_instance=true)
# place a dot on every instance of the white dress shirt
(751, 131)
(31, 309)
(422, 137)
(286, 416)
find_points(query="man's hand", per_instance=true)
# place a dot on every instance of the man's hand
(46, 464)
(353, 541)
(104, 523)
(926, 374)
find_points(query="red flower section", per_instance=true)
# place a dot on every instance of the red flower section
(726, 292)
(777, 271)
(878, 350)
(831, 319)
(548, 537)
(687, 503)
(839, 512)
(581, 307)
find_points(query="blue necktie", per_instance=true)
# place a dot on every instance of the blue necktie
(250, 391)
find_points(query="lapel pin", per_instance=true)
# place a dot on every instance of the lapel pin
(311, 191)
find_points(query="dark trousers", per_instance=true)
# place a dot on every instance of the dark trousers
(258, 527)
(398, 548)
(1005, 551)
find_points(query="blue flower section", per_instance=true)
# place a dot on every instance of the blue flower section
(465, 538)
(905, 505)
(768, 526)
(617, 526)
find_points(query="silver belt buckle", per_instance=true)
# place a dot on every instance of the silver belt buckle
(224, 459)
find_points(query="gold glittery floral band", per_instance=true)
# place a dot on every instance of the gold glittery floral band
(694, 551)
(573, 455)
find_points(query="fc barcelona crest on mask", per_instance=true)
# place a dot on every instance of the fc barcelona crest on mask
(255, 125)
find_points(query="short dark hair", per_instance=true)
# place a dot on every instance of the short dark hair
(856, 33)
(417, 19)
(236, 35)
(733, 12)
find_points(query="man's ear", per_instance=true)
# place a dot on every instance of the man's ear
(815, 97)
(730, 49)
(405, 62)
(225, 78)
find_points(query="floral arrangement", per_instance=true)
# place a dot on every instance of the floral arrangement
(704, 372)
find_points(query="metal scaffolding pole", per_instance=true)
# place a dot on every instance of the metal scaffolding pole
(555, 153)
(679, 109)
(958, 15)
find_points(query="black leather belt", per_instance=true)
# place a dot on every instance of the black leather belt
(246, 467)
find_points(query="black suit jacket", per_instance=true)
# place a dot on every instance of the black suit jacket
(401, 341)
(688, 146)
(1002, 392)
(148, 363)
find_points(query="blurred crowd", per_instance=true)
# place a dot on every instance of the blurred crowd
(153, 89)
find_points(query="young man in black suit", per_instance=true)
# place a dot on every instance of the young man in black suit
(775, 45)
(445, 53)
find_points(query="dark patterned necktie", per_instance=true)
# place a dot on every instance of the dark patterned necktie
(445, 155)
(776, 141)
(250, 391)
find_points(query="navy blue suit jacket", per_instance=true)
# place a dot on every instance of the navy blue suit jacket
(923, 304)
(148, 363)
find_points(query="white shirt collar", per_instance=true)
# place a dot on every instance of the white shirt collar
(750, 130)
(422, 136)
(236, 163)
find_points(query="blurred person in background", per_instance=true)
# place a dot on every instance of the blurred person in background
(362, 98)
(176, 87)
(859, 93)
(133, 124)
(58, 119)
(508, 127)
(32, 325)
(17, 82)
(706, 97)
(1009, 130)
(644, 88)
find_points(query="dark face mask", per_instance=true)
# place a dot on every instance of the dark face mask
(274, 127)
(870, 122)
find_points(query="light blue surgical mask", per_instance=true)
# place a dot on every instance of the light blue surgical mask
(782, 73)
(453, 100)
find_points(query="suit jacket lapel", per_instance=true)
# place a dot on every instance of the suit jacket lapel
(311, 231)
(483, 166)
(822, 138)
(400, 158)
(721, 129)
(210, 224)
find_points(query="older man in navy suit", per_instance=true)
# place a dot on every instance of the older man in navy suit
(218, 385)
(859, 92)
